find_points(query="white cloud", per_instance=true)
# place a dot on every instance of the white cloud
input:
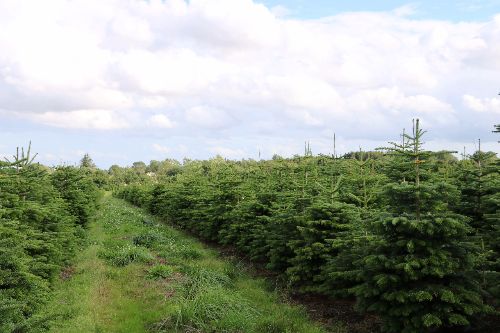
(235, 65)
(161, 121)
(482, 104)
(81, 119)
(392, 101)
(208, 117)
(153, 102)
(168, 72)
(280, 11)
(406, 10)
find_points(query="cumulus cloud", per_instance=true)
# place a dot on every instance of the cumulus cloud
(482, 104)
(236, 64)
(208, 117)
(280, 11)
(81, 119)
(161, 121)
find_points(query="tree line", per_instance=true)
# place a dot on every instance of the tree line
(412, 235)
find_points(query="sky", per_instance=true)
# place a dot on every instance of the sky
(139, 80)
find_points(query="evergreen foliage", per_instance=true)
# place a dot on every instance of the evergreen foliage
(39, 231)
(78, 189)
(321, 238)
(418, 274)
(400, 229)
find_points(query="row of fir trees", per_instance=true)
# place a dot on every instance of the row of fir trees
(43, 215)
(413, 235)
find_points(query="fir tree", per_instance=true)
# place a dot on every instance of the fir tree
(339, 273)
(78, 190)
(418, 274)
(321, 238)
(38, 235)
(491, 234)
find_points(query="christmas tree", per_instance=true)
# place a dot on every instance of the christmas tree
(418, 274)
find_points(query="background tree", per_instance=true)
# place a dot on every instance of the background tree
(139, 167)
(87, 162)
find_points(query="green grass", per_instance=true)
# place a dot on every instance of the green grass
(160, 272)
(124, 255)
(148, 277)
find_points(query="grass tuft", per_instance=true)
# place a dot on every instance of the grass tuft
(215, 310)
(201, 278)
(149, 238)
(125, 255)
(160, 272)
(176, 251)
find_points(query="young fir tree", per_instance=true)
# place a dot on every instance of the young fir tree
(491, 236)
(321, 238)
(363, 181)
(287, 212)
(78, 189)
(340, 273)
(418, 274)
(479, 184)
(38, 235)
(474, 178)
(251, 211)
(327, 222)
(223, 196)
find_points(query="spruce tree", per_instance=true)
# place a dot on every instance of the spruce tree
(418, 273)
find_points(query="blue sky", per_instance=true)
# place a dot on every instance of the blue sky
(132, 80)
(458, 10)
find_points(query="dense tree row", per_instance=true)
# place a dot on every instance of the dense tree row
(43, 213)
(412, 234)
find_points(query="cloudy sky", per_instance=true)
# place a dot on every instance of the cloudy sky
(140, 80)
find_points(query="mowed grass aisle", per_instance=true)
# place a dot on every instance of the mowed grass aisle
(138, 275)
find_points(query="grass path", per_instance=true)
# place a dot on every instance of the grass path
(137, 275)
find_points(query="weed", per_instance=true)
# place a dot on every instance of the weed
(176, 252)
(216, 310)
(149, 238)
(190, 253)
(160, 272)
(200, 278)
(125, 255)
(234, 270)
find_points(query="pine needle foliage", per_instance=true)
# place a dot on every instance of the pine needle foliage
(39, 231)
(418, 274)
